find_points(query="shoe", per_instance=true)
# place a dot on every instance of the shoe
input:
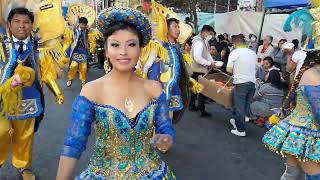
(193, 108)
(205, 114)
(237, 133)
(69, 83)
(27, 174)
(233, 123)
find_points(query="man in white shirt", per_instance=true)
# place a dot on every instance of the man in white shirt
(202, 63)
(242, 64)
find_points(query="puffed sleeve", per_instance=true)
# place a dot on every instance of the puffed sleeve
(162, 119)
(313, 94)
(81, 119)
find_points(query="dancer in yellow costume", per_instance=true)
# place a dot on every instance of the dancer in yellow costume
(162, 59)
(26, 60)
(83, 41)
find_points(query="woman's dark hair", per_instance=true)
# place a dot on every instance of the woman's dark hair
(227, 50)
(124, 26)
(221, 37)
(213, 43)
(269, 59)
(189, 41)
(289, 102)
(296, 43)
(274, 79)
(20, 11)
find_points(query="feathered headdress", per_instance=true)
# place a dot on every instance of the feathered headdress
(309, 23)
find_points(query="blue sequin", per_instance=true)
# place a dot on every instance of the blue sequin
(299, 135)
(122, 147)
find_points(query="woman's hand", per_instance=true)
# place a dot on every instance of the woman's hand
(163, 142)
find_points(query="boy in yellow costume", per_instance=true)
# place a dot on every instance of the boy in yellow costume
(79, 53)
(25, 62)
(83, 40)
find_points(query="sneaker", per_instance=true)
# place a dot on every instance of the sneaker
(237, 133)
(233, 123)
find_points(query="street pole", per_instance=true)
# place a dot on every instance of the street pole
(228, 5)
(215, 6)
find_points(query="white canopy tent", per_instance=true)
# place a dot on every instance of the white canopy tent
(237, 22)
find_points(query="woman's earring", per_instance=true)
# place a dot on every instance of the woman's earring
(107, 66)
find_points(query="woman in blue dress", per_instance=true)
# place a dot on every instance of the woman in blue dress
(297, 137)
(126, 111)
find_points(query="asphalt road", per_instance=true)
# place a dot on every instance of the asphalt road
(205, 149)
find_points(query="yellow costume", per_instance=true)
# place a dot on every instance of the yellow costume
(23, 106)
(162, 61)
(83, 41)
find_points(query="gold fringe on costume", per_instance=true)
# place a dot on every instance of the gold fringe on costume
(52, 60)
(161, 51)
(188, 59)
(2, 56)
(196, 87)
(92, 40)
(141, 73)
(286, 154)
(67, 38)
(52, 54)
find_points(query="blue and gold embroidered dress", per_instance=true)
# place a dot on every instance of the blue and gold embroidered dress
(299, 134)
(123, 148)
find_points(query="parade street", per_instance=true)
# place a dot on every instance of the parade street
(205, 149)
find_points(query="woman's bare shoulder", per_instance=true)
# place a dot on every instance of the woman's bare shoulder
(311, 76)
(153, 88)
(91, 89)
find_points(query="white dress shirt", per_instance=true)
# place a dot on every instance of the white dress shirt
(197, 48)
(16, 43)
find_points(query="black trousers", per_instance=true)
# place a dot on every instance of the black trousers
(201, 98)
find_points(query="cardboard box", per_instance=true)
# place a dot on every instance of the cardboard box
(224, 96)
